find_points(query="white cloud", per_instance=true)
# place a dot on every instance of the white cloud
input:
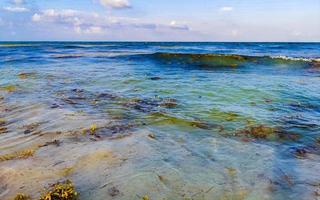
(94, 23)
(115, 3)
(176, 25)
(16, 9)
(226, 9)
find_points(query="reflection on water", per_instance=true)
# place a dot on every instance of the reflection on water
(123, 121)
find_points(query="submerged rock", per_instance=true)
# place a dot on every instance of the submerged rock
(155, 78)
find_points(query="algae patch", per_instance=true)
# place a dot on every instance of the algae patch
(61, 191)
(8, 88)
(23, 154)
(22, 197)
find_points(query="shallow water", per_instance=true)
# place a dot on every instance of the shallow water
(162, 120)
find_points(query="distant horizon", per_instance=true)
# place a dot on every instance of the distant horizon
(160, 21)
(118, 41)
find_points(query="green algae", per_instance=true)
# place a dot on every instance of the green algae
(8, 88)
(158, 118)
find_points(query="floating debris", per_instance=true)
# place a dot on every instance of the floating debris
(22, 197)
(61, 191)
(23, 154)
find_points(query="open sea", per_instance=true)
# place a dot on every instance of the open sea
(161, 121)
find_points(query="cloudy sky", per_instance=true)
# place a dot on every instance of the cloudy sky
(160, 20)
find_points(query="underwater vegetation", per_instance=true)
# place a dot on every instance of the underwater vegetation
(22, 197)
(8, 88)
(59, 191)
(23, 154)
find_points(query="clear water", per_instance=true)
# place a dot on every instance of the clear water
(174, 120)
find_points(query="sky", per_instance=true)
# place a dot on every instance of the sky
(160, 20)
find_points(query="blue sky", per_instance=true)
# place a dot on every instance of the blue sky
(160, 20)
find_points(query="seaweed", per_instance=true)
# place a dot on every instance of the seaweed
(22, 197)
(23, 154)
(259, 131)
(159, 118)
(26, 75)
(145, 197)
(9, 88)
(229, 116)
(61, 191)
(3, 129)
(93, 129)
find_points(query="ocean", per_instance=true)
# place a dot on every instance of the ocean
(161, 120)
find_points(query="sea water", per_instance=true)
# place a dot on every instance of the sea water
(137, 120)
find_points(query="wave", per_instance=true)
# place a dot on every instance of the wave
(231, 60)
(210, 60)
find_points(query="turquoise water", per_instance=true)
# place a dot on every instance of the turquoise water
(161, 120)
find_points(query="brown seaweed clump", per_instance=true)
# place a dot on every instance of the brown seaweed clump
(61, 191)
(22, 197)
(259, 132)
